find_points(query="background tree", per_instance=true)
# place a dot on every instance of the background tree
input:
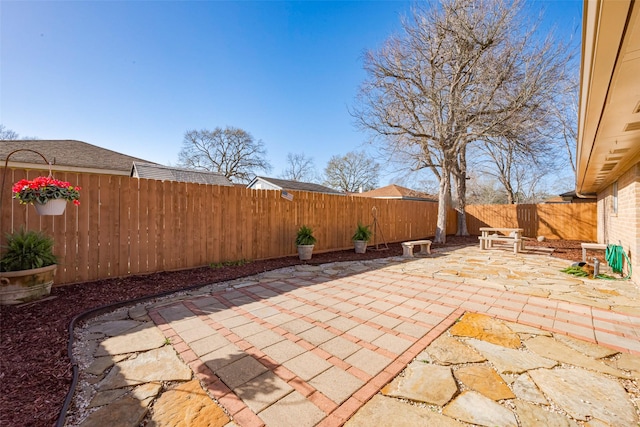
(300, 168)
(462, 71)
(231, 152)
(352, 172)
(7, 134)
(482, 190)
(565, 117)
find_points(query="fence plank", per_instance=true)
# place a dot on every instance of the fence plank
(92, 206)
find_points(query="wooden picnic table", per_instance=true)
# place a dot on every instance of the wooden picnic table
(509, 235)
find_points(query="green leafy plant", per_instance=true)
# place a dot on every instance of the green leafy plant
(363, 233)
(575, 271)
(26, 250)
(238, 263)
(305, 236)
(45, 188)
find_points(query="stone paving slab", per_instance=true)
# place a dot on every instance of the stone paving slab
(311, 345)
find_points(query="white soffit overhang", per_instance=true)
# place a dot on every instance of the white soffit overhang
(609, 115)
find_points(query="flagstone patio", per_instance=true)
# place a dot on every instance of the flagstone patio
(364, 342)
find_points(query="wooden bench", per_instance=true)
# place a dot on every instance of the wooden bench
(591, 246)
(407, 247)
(486, 242)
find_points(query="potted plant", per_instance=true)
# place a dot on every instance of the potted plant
(361, 238)
(27, 267)
(305, 242)
(48, 195)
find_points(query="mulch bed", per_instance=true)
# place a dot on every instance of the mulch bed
(35, 371)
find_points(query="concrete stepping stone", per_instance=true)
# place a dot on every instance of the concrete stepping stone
(262, 391)
(552, 349)
(336, 384)
(424, 382)
(509, 361)
(240, 371)
(383, 411)
(307, 365)
(155, 365)
(368, 361)
(446, 350)
(485, 381)
(187, 404)
(483, 327)
(293, 410)
(531, 415)
(584, 394)
(474, 408)
(141, 338)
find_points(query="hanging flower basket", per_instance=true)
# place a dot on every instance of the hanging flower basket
(52, 207)
(47, 194)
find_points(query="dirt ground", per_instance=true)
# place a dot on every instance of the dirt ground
(35, 370)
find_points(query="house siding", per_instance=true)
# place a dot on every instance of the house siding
(623, 227)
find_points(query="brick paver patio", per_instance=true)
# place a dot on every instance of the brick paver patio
(311, 349)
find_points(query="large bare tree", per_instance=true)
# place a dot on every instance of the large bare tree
(231, 151)
(300, 168)
(461, 71)
(352, 172)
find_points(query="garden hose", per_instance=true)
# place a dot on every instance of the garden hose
(615, 256)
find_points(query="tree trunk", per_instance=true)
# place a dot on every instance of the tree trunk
(444, 201)
(461, 188)
(461, 193)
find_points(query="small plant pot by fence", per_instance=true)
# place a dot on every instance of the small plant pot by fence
(305, 252)
(361, 246)
(17, 287)
(52, 207)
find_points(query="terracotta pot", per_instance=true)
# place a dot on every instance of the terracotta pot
(305, 252)
(361, 246)
(21, 286)
(52, 207)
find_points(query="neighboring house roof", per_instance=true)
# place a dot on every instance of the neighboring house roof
(169, 173)
(570, 197)
(67, 155)
(556, 199)
(394, 191)
(264, 183)
(608, 119)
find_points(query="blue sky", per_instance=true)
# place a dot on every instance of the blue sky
(133, 76)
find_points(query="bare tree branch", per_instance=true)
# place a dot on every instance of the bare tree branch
(300, 168)
(231, 151)
(352, 172)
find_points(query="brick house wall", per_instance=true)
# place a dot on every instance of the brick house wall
(622, 227)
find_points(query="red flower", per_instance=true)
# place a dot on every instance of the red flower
(43, 189)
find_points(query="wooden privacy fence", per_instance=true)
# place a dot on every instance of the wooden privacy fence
(129, 226)
(570, 221)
